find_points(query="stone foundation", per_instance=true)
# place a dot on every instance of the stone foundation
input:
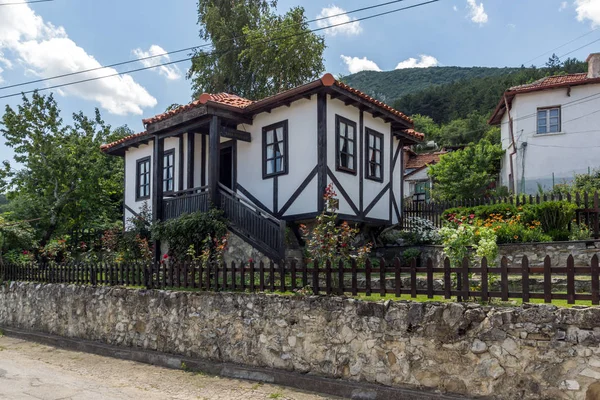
(238, 250)
(530, 352)
(582, 251)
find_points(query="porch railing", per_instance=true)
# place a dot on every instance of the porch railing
(185, 202)
(261, 229)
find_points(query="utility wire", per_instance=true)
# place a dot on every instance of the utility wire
(25, 2)
(561, 46)
(192, 47)
(579, 48)
(189, 58)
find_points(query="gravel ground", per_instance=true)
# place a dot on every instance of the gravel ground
(33, 371)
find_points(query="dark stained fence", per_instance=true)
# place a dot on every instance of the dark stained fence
(374, 278)
(265, 231)
(186, 202)
(588, 208)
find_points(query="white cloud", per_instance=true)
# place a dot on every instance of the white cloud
(563, 6)
(356, 64)
(171, 72)
(588, 9)
(349, 29)
(477, 12)
(455, 8)
(424, 61)
(44, 50)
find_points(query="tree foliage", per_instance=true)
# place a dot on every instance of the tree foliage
(255, 52)
(60, 175)
(467, 173)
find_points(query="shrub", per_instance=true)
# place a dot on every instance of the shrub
(554, 216)
(424, 231)
(410, 254)
(580, 232)
(191, 230)
(459, 241)
(330, 240)
(480, 212)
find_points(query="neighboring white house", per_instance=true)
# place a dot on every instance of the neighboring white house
(550, 129)
(417, 182)
(268, 162)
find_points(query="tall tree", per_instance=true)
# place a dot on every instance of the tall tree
(62, 178)
(254, 52)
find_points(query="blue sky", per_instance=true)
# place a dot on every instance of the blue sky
(47, 39)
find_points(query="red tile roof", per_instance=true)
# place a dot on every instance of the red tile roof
(220, 98)
(549, 82)
(421, 160)
(412, 132)
(237, 102)
(107, 146)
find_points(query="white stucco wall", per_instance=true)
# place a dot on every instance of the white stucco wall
(131, 156)
(302, 136)
(572, 151)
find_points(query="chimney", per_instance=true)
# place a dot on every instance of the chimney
(593, 61)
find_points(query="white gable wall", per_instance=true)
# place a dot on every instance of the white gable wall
(302, 137)
(131, 156)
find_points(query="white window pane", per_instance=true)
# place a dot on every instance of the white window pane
(279, 164)
(280, 133)
(378, 157)
(270, 138)
(350, 132)
(350, 162)
(270, 166)
(542, 114)
(553, 128)
(280, 150)
(351, 147)
(371, 140)
(554, 112)
(542, 129)
(270, 152)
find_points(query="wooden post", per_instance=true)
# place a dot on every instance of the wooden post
(447, 279)
(321, 149)
(504, 278)
(190, 159)
(570, 280)
(213, 160)
(595, 283)
(157, 187)
(548, 279)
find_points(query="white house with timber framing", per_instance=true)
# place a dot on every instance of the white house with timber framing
(267, 163)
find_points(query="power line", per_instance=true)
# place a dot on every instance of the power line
(579, 48)
(561, 46)
(189, 58)
(190, 48)
(25, 2)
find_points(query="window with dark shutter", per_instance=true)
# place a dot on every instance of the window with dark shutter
(374, 155)
(275, 149)
(142, 180)
(345, 136)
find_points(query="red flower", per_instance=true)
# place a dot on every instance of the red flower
(472, 216)
(165, 256)
(25, 252)
(250, 260)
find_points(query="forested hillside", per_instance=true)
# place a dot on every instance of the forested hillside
(389, 86)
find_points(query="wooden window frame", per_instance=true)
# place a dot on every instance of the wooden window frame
(285, 144)
(166, 154)
(368, 133)
(138, 162)
(338, 152)
(547, 110)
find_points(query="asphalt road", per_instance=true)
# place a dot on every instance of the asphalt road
(33, 371)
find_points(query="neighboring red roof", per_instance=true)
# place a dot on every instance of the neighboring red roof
(248, 106)
(414, 133)
(122, 140)
(421, 160)
(549, 82)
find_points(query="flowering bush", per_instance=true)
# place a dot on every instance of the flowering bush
(459, 241)
(425, 232)
(328, 240)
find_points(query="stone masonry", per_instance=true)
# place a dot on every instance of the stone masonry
(529, 352)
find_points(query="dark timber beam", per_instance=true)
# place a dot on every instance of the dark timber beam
(157, 186)
(321, 149)
(213, 159)
(235, 134)
(401, 199)
(191, 144)
(177, 119)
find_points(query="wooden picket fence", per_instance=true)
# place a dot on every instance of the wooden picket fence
(588, 208)
(343, 278)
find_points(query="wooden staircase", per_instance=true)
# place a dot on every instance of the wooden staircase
(255, 226)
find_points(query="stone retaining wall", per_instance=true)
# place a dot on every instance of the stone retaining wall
(531, 352)
(582, 251)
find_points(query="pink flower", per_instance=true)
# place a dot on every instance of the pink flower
(472, 216)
